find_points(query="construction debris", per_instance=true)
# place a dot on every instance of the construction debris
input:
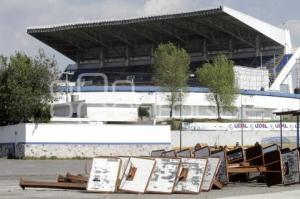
(183, 171)
(51, 185)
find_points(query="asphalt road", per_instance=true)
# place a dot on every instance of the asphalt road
(12, 170)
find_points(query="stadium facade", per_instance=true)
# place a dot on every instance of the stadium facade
(113, 74)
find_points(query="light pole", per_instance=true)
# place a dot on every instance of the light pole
(261, 68)
(180, 115)
(67, 84)
(242, 125)
(297, 89)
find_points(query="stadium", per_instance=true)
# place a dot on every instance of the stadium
(112, 76)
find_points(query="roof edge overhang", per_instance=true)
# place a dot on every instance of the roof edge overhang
(281, 36)
(90, 24)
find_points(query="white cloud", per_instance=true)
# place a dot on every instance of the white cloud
(155, 7)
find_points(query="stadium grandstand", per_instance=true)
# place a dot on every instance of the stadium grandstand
(265, 60)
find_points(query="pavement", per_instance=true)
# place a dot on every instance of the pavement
(12, 170)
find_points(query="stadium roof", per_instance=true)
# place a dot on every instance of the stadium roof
(214, 26)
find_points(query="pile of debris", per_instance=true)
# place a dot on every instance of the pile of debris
(183, 171)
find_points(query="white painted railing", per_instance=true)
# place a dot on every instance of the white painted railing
(286, 70)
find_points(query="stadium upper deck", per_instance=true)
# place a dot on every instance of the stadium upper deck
(124, 48)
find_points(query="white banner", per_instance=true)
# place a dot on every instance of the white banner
(197, 126)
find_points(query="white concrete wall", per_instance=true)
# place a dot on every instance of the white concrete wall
(85, 133)
(229, 138)
(82, 140)
(97, 133)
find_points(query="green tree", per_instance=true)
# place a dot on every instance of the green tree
(171, 71)
(25, 88)
(219, 78)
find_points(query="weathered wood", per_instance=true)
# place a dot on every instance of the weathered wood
(72, 178)
(250, 169)
(202, 152)
(51, 185)
(164, 175)
(222, 174)
(169, 154)
(273, 163)
(217, 184)
(157, 153)
(235, 156)
(184, 153)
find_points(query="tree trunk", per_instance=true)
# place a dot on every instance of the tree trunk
(219, 112)
(171, 111)
(218, 107)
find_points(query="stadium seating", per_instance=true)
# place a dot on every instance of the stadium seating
(142, 75)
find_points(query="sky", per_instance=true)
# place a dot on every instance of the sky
(17, 15)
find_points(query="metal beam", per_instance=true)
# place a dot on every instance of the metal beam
(69, 41)
(189, 27)
(221, 27)
(94, 39)
(171, 34)
(120, 36)
(143, 34)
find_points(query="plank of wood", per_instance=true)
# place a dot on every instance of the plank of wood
(247, 169)
(217, 184)
(51, 185)
(72, 178)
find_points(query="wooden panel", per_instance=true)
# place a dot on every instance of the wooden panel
(104, 175)
(191, 175)
(137, 175)
(271, 148)
(202, 153)
(212, 168)
(273, 163)
(164, 175)
(184, 153)
(169, 154)
(254, 155)
(157, 153)
(290, 163)
(234, 156)
(222, 174)
(51, 185)
(124, 162)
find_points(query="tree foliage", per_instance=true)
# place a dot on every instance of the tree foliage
(171, 71)
(25, 88)
(219, 78)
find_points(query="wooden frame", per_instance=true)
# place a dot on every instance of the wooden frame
(235, 155)
(157, 153)
(146, 175)
(156, 175)
(169, 154)
(290, 163)
(222, 175)
(209, 176)
(202, 153)
(186, 153)
(101, 175)
(273, 164)
(186, 177)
